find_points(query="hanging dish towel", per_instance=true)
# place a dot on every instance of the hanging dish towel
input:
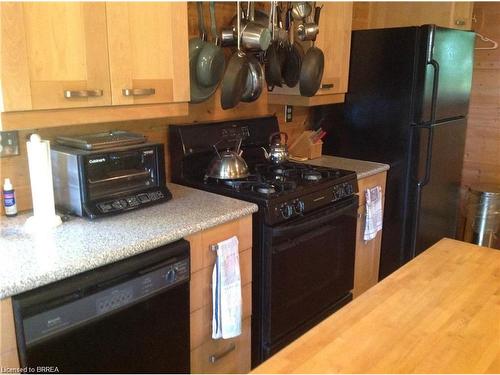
(226, 291)
(373, 222)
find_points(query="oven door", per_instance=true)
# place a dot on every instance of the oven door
(309, 271)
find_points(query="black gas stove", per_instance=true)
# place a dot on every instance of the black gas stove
(287, 190)
(283, 191)
(303, 234)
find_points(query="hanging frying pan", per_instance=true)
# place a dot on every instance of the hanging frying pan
(253, 87)
(274, 54)
(313, 65)
(199, 92)
(235, 78)
(211, 60)
(294, 56)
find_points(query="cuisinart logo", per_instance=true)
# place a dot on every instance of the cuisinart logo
(98, 160)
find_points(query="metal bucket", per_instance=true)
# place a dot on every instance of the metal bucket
(482, 223)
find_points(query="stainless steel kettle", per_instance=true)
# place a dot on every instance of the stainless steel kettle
(278, 152)
(228, 165)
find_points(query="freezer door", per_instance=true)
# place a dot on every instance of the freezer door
(445, 55)
(435, 192)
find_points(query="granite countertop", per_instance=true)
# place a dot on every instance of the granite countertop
(439, 313)
(362, 168)
(78, 245)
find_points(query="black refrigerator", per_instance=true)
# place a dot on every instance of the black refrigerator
(406, 106)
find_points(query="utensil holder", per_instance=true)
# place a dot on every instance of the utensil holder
(303, 147)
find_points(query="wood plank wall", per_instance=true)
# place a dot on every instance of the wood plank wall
(482, 143)
(16, 167)
(482, 147)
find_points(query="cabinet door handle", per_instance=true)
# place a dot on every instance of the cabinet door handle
(69, 94)
(215, 357)
(327, 86)
(138, 92)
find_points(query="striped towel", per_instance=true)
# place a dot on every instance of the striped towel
(373, 220)
(226, 291)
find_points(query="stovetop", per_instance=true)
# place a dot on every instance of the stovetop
(270, 182)
(286, 191)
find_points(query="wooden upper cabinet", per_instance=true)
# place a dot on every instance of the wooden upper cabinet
(375, 15)
(148, 52)
(334, 39)
(54, 55)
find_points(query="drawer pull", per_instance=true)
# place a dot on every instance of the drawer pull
(138, 92)
(215, 357)
(326, 86)
(69, 94)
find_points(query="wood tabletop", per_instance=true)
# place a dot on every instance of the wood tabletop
(440, 313)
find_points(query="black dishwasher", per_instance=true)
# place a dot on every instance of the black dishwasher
(131, 316)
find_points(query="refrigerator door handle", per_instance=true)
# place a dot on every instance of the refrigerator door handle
(430, 127)
(435, 86)
(427, 171)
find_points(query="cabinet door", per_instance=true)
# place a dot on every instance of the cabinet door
(375, 15)
(334, 39)
(148, 52)
(54, 55)
(366, 264)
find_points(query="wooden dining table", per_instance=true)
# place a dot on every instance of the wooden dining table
(439, 313)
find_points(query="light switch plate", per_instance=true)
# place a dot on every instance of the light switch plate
(9, 144)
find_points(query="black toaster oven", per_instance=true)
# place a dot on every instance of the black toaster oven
(96, 183)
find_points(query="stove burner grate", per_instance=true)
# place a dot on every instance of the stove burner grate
(311, 175)
(269, 179)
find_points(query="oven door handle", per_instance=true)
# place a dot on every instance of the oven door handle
(125, 176)
(317, 220)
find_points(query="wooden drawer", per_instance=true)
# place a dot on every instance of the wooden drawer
(201, 281)
(201, 319)
(229, 356)
(369, 182)
(201, 254)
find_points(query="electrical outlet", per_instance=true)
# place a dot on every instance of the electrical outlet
(9, 143)
(288, 113)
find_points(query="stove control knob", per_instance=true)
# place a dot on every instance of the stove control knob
(348, 189)
(286, 211)
(171, 275)
(337, 192)
(299, 207)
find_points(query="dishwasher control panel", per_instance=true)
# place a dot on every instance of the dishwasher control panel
(106, 301)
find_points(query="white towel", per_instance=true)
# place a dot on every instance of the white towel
(373, 222)
(226, 291)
